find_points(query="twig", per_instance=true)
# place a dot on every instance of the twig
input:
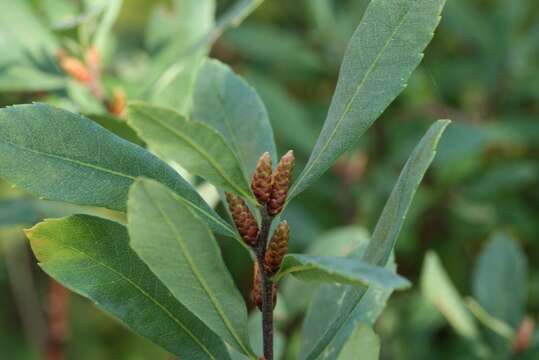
(267, 286)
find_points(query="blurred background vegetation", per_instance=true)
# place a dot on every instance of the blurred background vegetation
(475, 215)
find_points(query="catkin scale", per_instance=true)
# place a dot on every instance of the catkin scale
(280, 183)
(262, 179)
(277, 249)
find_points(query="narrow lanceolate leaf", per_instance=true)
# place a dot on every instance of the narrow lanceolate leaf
(59, 155)
(327, 305)
(499, 279)
(438, 290)
(340, 270)
(181, 250)
(392, 218)
(194, 145)
(344, 316)
(173, 37)
(233, 16)
(384, 50)
(363, 341)
(228, 104)
(92, 257)
(29, 211)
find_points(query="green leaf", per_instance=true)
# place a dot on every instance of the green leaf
(18, 212)
(195, 146)
(28, 211)
(289, 117)
(180, 26)
(273, 45)
(382, 54)
(26, 50)
(440, 292)
(339, 270)
(103, 31)
(358, 304)
(25, 39)
(174, 67)
(490, 322)
(59, 155)
(25, 78)
(92, 257)
(363, 341)
(228, 104)
(190, 38)
(233, 17)
(119, 127)
(392, 218)
(184, 255)
(84, 99)
(330, 303)
(499, 279)
(337, 242)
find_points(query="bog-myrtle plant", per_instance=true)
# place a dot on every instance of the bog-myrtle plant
(152, 259)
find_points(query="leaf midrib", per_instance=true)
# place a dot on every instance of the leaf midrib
(198, 149)
(74, 161)
(349, 104)
(196, 272)
(148, 296)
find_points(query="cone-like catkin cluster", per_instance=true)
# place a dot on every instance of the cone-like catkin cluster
(261, 183)
(277, 249)
(280, 183)
(256, 293)
(243, 218)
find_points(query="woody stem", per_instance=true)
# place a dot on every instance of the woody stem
(267, 286)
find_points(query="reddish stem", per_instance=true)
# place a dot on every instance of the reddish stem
(58, 321)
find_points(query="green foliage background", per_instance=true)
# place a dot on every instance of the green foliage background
(481, 70)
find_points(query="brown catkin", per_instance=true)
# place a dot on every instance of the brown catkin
(256, 293)
(261, 183)
(280, 183)
(277, 249)
(243, 218)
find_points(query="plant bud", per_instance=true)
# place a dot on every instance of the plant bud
(243, 218)
(524, 335)
(261, 183)
(118, 103)
(256, 293)
(74, 68)
(277, 249)
(280, 183)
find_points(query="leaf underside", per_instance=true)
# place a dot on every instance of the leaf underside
(341, 270)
